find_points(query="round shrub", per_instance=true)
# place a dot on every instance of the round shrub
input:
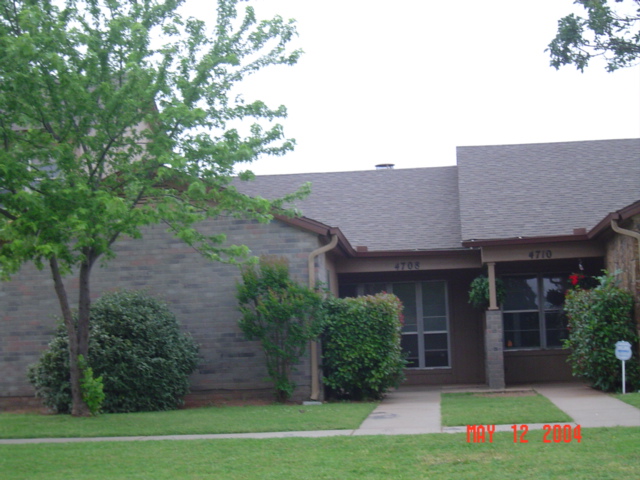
(598, 318)
(136, 345)
(362, 356)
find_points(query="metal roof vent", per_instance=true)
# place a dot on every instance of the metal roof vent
(385, 166)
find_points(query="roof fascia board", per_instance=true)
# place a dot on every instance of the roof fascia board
(415, 253)
(318, 228)
(621, 215)
(525, 240)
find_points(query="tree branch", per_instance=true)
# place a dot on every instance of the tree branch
(7, 214)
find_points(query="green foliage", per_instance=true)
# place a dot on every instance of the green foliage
(479, 292)
(50, 375)
(362, 356)
(612, 33)
(137, 350)
(598, 318)
(88, 90)
(92, 388)
(116, 115)
(282, 314)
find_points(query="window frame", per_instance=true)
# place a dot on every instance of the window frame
(541, 311)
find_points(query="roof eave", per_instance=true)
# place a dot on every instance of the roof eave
(619, 215)
(525, 240)
(414, 253)
(319, 228)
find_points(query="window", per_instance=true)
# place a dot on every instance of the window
(532, 311)
(425, 332)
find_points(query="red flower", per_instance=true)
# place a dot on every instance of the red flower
(575, 278)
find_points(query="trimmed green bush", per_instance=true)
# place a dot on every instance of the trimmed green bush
(282, 314)
(136, 347)
(362, 356)
(598, 318)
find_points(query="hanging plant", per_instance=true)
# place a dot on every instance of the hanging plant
(479, 292)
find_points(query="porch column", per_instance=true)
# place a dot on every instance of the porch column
(493, 336)
(493, 297)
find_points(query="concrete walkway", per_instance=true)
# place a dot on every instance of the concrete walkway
(589, 407)
(415, 410)
(405, 411)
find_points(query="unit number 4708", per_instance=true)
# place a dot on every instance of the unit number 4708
(407, 266)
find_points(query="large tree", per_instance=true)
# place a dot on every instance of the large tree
(609, 31)
(118, 114)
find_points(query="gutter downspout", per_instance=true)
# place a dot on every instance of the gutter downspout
(629, 233)
(315, 380)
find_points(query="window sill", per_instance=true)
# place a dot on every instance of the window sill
(413, 369)
(536, 351)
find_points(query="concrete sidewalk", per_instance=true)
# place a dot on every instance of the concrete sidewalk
(416, 410)
(406, 411)
(589, 407)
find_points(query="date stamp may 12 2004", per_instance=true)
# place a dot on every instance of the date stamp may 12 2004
(552, 433)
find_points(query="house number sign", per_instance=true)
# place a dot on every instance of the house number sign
(407, 266)
(540, 254)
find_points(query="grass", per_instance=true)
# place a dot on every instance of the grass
(632, 399)
(269, 418)
(459, 409)
(604, 453)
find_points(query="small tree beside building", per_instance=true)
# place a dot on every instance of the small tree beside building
(282, 315)
(115, 116)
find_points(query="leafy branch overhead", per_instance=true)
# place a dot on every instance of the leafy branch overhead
(610, 29)
(104, 131)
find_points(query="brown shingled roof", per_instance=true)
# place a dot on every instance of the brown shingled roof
(404, 209)
(546, 189)
(495, 192)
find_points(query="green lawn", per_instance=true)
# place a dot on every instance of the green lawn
(603, 453)
(459, 409)
(630, 398)
(270, 418)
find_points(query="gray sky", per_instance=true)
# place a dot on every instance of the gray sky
(405, 82)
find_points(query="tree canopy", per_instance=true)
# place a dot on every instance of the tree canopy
(609, 31)
(118, 114)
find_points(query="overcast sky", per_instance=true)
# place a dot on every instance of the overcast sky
(405, 82)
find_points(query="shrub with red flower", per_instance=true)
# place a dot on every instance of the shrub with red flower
(600, 314)
(581, 281)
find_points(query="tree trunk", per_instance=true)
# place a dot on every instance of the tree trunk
(79, 407)
(84, 305)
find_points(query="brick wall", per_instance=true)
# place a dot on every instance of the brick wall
(494, 354)
(201, 294)
(622, 256)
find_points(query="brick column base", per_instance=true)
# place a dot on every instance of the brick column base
(493, 349)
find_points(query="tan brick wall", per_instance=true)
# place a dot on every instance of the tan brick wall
(199, 292)
(622, 256)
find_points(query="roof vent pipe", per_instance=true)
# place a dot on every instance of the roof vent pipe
(385, 166)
